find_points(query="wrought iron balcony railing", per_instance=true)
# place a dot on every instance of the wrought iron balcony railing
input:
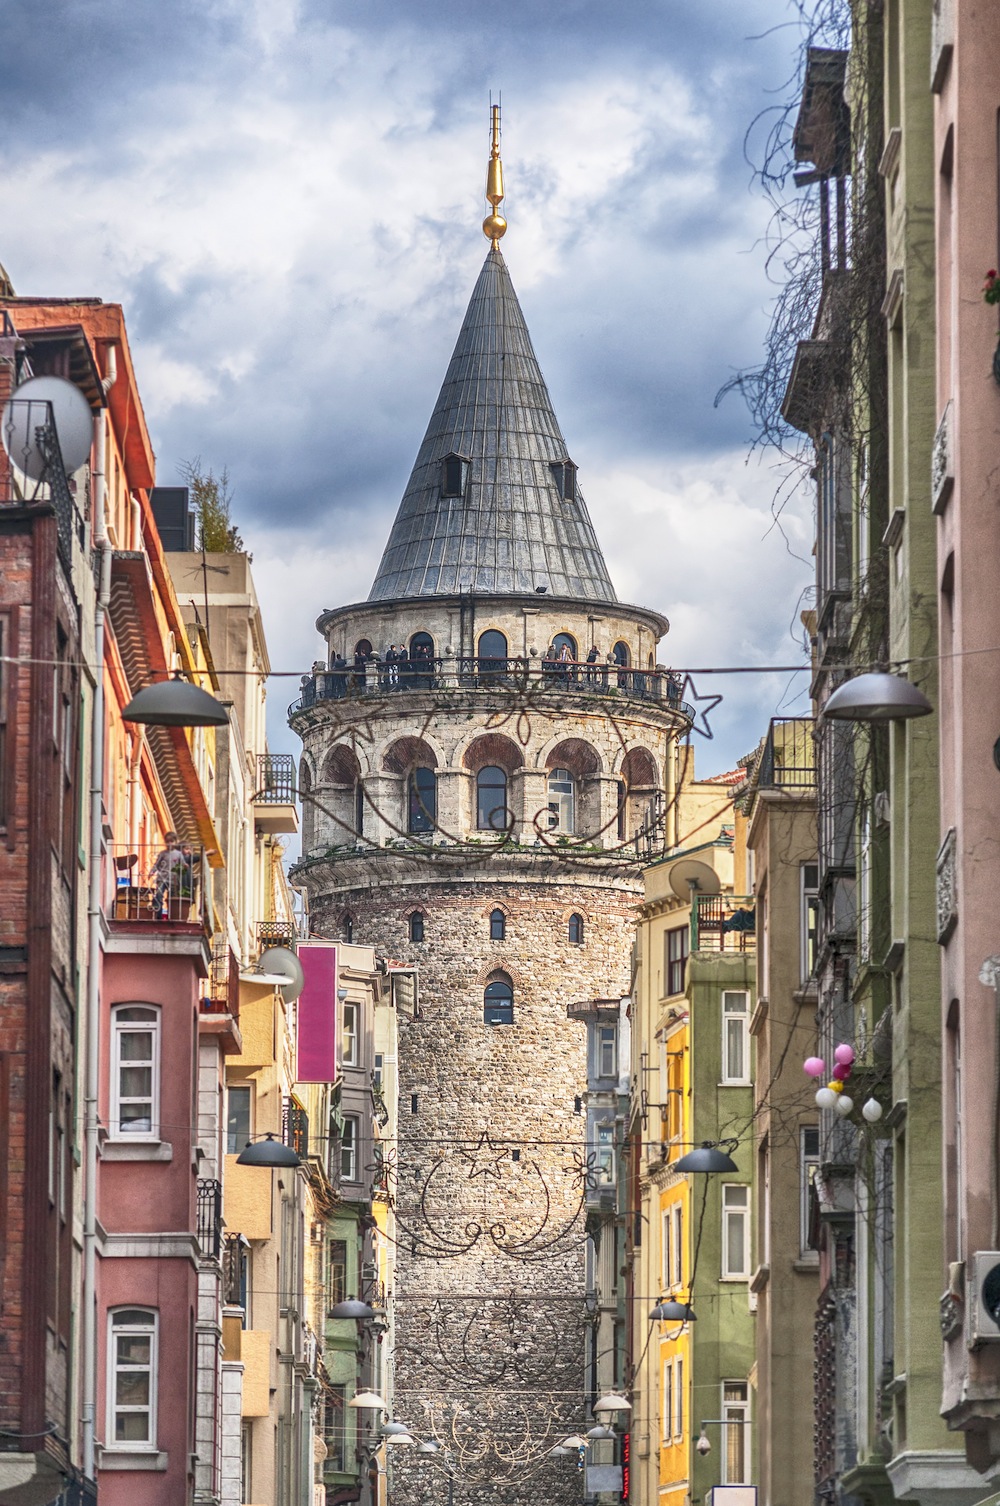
(209, 1225)
(376, 678)
(162, 884)
(222, 986)
(788, 760)
(275, 779)
(275, 933)
(724, 923)
(31, 435)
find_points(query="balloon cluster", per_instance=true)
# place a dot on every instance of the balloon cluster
(835, 1095)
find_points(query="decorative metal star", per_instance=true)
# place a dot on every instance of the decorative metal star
(484, 1158)
(706, 703)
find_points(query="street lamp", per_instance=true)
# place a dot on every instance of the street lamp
(175, 703)
(353, 1307)
(709, 1156)
(268, 1152)
(876, 697)
(672, 1311)
(612, 1402)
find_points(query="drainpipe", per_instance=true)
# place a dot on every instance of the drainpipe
(132, 791)
(92, 1048)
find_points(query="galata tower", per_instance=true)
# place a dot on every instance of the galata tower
(488, 752)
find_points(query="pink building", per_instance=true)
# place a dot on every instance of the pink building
(965, 70)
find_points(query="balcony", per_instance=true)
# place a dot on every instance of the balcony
(274, 811)
(219, 1011)
(209, 1226)
(724, 923)
(788, 759)
(34, 445)
(155, 886)
(572, 677)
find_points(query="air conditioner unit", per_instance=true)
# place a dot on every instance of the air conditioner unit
(983, 1296)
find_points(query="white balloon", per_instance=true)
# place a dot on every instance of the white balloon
(872, 1111)
(826, 1098)
(844, 1104)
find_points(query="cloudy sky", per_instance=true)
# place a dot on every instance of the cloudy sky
(286, 198)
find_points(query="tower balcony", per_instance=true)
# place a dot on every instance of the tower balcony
(603, 682)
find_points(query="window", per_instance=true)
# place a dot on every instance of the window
(349, 1148)
(576, 930)
(810, 918)
(246, 1461)
(362, 648)
(359, 809)
(622, 810)
(347, 926)
(417, 926)
(498, 1002)
(666, 1251)
(492, 646)
(564, 476)
(378, 1071)
(333, 1430)
(676, 945)
(621, 654)
(422, 801)
(351, 1020)
(454, 470)
(132, 1377)
(498, 925)
(865, 887)
(735, 1463)
(678, 1398)
(735, 1232)
(239, 1111)
(607, 1051)
(667, 1405)
(135, 1071)
(606, 1155)
(677, 1246)
(562, 801)
(808, 1168)
(491, 799)
(735, 1037)
(336, 1276)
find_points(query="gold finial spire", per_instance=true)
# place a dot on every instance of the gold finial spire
(494, 224)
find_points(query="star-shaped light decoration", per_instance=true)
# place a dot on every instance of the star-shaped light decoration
(706, 703)
(484, 1158)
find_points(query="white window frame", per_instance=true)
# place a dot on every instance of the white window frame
(240, 1087)
(607, 1040)
(736, 1411)
(808, 1165)
(349, 1148)
(740, 1019)
(561, 789)
(677, 1242)
(120, 1028)
(350, 1035)
(733, 1210)
(666, 1248)
(605, 1156)
(115, 1331)
(678, 1423)
(809, 907)
(667, 1400)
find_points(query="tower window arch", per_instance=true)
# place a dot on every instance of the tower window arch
(422, 800)
(492, 645)
(562, 801)
(498, 1001)
(454, 475)
(347, 926)
(621, 653)
(576, 929)
(362, 648)
(565, 640)
(417, 926)
(491, 798)
(498, 925)
(421, 646)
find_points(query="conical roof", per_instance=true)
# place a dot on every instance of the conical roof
(512, 529)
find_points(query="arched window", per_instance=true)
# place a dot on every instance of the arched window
(422, 801)
(308, 809)
(622, 809)
(362, 647)
(135, 1072)
(420, 666)
(417, 926)
(576, 930)
(562, 801)
(491, 799)
(565, 640)
(498, 925)
(421, 646)
(492, 646)
(347, 926)
(132, 1377)
(498, 1001)
(359, 809)
(621, 653)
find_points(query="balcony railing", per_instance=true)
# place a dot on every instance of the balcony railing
(275, 933)
(295, 1126)
(234, 1270)
(222, 986)
(788, 760)
(210, 1216)
(275, 779)
(165, 884)
(724, 923)
(32, 443)
(376, 678)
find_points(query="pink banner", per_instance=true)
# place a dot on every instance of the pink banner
(316, 1040)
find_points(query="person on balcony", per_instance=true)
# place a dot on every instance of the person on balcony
(391, 664)
(160, 875)
(592, 658)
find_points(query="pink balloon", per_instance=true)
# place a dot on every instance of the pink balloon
(842, 1071)
(814, 1066)
(844, 1054)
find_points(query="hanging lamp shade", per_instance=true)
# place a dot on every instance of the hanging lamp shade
(707, 1157)
(353, 1307)
(876, 697)
(400, 1440)
(175, 703)
(672, 1311)
(268, 1152)
(600, 1434)
(367, 1399)
(575, 1440)
(613, 1403)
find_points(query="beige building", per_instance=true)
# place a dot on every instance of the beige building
(779, 803)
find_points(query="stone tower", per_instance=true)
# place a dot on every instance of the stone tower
(478, 810)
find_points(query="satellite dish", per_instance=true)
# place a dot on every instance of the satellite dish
(28, 408)
(281, 962)
(690, 871)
